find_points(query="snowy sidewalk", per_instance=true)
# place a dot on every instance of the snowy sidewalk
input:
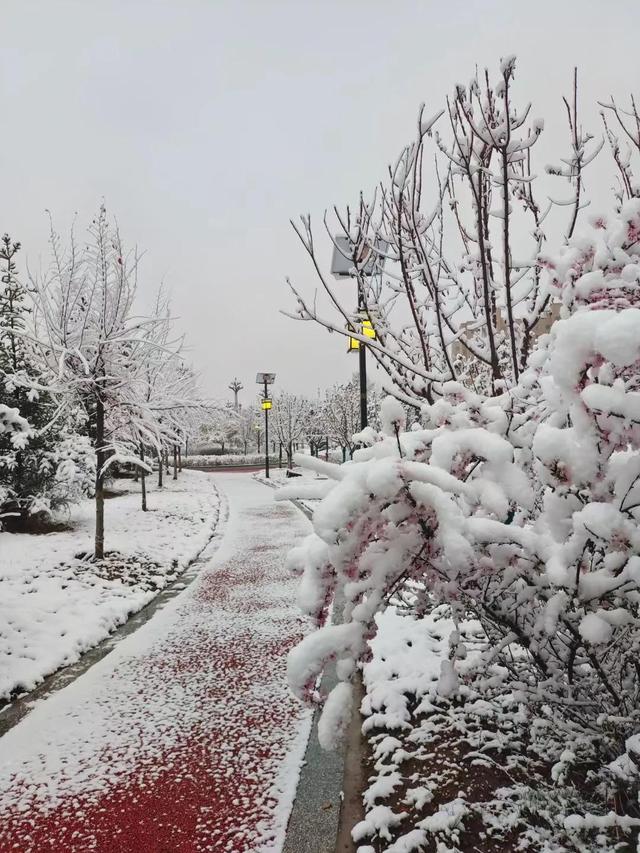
(185, 738)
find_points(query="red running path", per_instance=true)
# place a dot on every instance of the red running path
(184, 739)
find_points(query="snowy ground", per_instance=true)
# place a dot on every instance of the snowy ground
(458, 774)
(441, 775)
(54, 605)
(185, 738)
(400, 682)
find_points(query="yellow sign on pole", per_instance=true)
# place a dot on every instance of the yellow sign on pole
(266, 404)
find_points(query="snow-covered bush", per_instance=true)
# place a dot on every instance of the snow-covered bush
(203, 460)
(71, 462)
(14, 426)
(521, 510)
(15, 431)
(43, 469)
(44, 462)
(515, 501)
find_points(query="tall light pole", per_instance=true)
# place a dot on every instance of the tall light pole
(235, 386)
(362, 363)
(266, 379)
(342, 266)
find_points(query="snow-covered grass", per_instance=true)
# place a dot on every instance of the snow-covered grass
(55, 604)
(444, 771)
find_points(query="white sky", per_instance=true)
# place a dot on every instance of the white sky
(206, 125)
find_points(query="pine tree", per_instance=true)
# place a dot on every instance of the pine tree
(51, 469)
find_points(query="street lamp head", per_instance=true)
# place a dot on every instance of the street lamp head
(366, 329)
(265, 378)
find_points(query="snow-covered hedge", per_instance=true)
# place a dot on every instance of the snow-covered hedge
(225, 459)
(522, 511)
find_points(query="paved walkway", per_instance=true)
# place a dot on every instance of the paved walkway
(185, 738)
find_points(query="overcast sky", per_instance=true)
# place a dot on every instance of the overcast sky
(206, 125)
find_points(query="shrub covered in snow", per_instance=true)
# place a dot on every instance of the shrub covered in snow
(223, 459)
(521, 510)
(14, 426)
(44, 462)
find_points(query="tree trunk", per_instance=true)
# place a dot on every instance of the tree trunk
(180, 458)
(160, 466)
(100, 460)
(175, 462)
(289, 454)
(166, 462)
(280, 459)
(143, 481)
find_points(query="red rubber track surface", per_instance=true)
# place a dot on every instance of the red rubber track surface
(187, 742)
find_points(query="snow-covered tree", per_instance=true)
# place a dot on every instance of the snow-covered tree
(223, 427)
(517, 502)
(248, 419)
(622, 130)
(316, 431)
(444, 257)
(342, 415)
(288, 417)
(169, 387)
(91, 341)
(521, 510)
(53, 467)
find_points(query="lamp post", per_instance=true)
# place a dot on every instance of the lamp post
(266, 379)
(342, 265)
